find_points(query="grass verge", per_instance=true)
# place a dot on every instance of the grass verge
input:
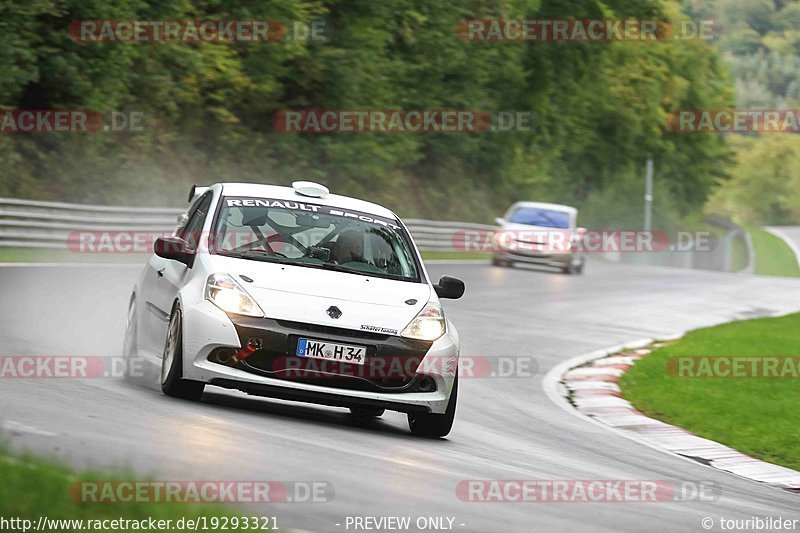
(757, 416)
(34, 488)
(773, 256)
(739, 254)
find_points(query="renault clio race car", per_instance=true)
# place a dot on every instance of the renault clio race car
(298, 294)
(540, 234)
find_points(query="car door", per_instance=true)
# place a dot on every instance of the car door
(169, 276)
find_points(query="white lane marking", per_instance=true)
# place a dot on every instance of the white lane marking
(785, 238)
(18, 427)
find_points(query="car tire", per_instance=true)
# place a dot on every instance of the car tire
(432, 425)
(172, 382)
(502, 262)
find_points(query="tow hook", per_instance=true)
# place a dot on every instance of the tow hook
(246, 352)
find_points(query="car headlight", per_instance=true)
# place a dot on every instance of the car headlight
(223, 291)
(428, 325)
(502, 238)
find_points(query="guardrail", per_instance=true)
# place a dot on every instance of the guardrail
(34, 224)
(720, 256)
(57, 225)
(442, 236)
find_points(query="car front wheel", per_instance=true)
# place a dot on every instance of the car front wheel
(432, 425)
(172, 382)
(496, 261)
(573, 269)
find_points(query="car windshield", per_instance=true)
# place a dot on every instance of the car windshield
(537, 216)
(316, 236)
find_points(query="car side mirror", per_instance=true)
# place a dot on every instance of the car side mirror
(449, 287)
(174, 248)
(500, 221)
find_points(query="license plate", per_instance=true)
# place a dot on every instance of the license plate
(331, 350)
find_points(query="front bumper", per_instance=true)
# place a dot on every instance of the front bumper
(560, 259)
(209, 330)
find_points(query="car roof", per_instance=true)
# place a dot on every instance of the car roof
(543, 205)
(278, 192)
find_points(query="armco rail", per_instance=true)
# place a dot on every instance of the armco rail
(33, 224)
(436, 235)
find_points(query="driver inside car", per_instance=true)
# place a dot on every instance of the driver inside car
(349, 247)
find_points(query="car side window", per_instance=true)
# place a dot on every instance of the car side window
(191, 232)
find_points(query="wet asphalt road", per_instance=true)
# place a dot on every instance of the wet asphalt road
(506, 428)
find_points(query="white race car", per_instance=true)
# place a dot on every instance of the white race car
(541, 234)
(298, 294)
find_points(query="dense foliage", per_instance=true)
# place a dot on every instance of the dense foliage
(601, 108)
(761, 42)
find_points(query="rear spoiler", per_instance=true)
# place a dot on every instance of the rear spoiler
(196, 191)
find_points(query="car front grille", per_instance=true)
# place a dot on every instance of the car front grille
(390, 365)
(329, 330)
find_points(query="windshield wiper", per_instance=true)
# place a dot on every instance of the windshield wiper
(259, 255)
(263, 255)
(384, 275)
(271, 257)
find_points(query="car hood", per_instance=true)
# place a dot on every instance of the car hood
(536, 234)
(303, 294)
